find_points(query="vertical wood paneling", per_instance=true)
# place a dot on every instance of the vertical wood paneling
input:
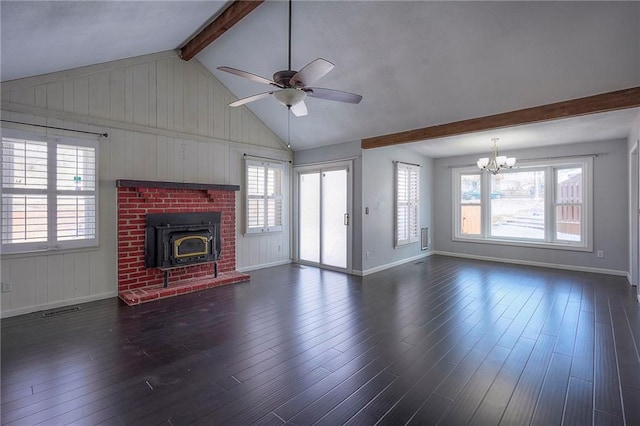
(203, 162)
(178, 95)
(179, 155)
(153, 98)
(190, 163)
(55, 96)
(144, 153)
(219, 108)
(141, 94)
(99, 95)
(168, 94)
(41, 96)
(162, 95)
(163, 172)
(22, 95)
(102, 277)
(233, 123)
(67, 96)
(81, 96)
(68, 276)
(55, 278)
(5, 277)
(81, 275)
(23, 281)
(40, 281)
(202, 110)
(211, 104)
(128, 94)
(117, 98)
(190, 99)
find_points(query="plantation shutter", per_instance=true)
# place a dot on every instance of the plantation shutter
(49, 195)
(264, 197)
(407, 204)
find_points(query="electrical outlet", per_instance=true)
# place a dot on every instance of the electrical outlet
(600, 253)
(368, 254)
(6, 287)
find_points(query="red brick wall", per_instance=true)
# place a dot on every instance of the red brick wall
(133, 206)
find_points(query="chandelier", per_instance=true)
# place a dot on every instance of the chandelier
(496, 162)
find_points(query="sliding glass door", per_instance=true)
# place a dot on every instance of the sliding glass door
(324, 203)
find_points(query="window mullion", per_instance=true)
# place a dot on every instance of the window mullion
(485, 205)
(265, 199)
(550, 204)
(52, 191)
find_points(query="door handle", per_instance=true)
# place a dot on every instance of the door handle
(346, 219)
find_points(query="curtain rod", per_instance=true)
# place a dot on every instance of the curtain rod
(267, 158)
(104, 135)
(409, 164)
(527, 160)
(317, 163)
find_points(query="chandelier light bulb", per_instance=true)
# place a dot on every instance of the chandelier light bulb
(497, 162)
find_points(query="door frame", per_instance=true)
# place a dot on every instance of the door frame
(320, 167)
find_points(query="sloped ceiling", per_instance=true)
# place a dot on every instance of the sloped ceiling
(416, 63)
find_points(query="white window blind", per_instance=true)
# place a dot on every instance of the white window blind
(49, 198)
(407, 204)
(264, 197)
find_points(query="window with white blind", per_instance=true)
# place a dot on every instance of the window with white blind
(49, 197)
(407, 204)
(264, 197)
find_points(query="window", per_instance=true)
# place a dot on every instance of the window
(407, 204)
(49, 197)
(544, 204)
(264, 197)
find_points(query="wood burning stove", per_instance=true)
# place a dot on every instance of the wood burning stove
(180, 239)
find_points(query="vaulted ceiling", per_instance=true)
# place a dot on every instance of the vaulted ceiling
(416, 64)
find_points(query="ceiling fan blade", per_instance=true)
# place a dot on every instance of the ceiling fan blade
(333, 95)
(299, 109)
(248, 75)
(250, 99)
(311, 72)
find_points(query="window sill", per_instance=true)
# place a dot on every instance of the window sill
(49, 252)
(526, 244)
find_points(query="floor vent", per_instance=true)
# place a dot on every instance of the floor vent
(56, 312)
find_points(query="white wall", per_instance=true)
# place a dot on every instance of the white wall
(610, 212)
(378, 195)
(633, 144)
(167, 120)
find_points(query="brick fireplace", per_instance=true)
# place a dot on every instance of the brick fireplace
(136, 199)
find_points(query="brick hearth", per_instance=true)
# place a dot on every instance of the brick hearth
(137, 284)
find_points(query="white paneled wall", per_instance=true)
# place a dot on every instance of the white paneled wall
(167, 120)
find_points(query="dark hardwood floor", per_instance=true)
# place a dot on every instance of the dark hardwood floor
(443, 340)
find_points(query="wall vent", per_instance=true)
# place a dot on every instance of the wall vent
(424, 238)
(60, 311)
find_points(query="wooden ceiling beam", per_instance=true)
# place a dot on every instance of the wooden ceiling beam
(227, 19)
(611, 101)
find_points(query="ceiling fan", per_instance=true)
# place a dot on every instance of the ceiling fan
(294, 86)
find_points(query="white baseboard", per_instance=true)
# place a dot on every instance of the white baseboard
(265, 265)
(391, 265)
(53, 305)
(532, 263)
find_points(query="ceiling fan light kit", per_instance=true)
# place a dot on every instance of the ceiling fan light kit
(289, 96)
(294, 85)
